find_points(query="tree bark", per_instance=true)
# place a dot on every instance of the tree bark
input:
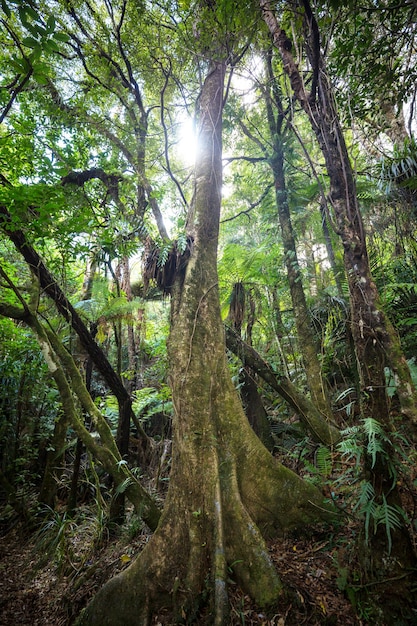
(306, 340)
(376, 343)
(69, 382)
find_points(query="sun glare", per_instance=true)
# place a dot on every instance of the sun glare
(187, 144)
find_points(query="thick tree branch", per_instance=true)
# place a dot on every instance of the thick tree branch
(322, 431)
(79, 178)
(284, 44)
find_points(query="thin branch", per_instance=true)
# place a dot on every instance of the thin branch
(24, 80)
(252, 206)
(244, 158)
(252, 137)
(167, 74)
(8, 310)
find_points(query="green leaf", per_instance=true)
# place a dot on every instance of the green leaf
(41, 79)
(324, 460)
(30, 42)
(21, 66)
(61, 37)
(50, 24)
(51, 46)
(33, 14)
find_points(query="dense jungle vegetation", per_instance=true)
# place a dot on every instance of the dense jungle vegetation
(208, 312)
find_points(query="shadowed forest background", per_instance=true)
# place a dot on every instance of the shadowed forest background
(208, 312)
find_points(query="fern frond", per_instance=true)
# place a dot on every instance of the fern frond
(390, 516)
(376, 437)
(372, 427)
(121, 487)
(182, 241)
(163, 253)
(351, 448)
(324, 460)
(366, 495)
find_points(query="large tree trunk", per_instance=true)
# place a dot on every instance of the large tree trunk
(225, 487)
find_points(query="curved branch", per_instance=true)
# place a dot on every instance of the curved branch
(252, 206)
(320, 428)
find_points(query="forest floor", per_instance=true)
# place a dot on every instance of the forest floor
(35, 593)
(49, 574)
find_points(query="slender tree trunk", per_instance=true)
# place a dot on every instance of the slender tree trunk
(376, 343)
(72, 496)
(330, 250)
(131, 342)
(52, 472)
(306, 340)
(82, 360)
(248, 389)
(254, 408)
(61, 365)
(224, 484)
(320, 428)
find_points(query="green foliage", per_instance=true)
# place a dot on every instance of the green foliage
(378, 513)
(53, 536)
(28, 405)
(400, 168)
(320, 469)
(369, 440)
(40, 38)
(163, 252)
(149, 401)
(68, 542)
(370, 52)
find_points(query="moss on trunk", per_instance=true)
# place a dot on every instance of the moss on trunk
(225, 488)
